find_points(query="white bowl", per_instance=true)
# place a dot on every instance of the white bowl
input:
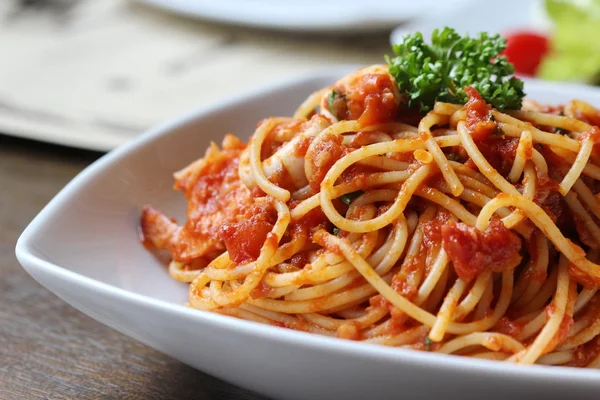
(84, 247)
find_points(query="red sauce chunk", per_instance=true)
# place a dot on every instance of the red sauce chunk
(551, 201)
(322, 156)
(262, 290)
(401, 282)
(591, 116)
(157, 230)
(478, 115)
(532, 250)
(245, 238)
(370, 100)
(215, 196)
(499, 152)
(432, 230)
(379, 301)
(282, 178)
(532, 273)
(280, 133)
(473, 252)
(300, 260)
(594, 134)
(586, 353)
(312, 221)
(584, 233)
(565, 324)
(302, 146)
(509, 327)
(585, 280)
(557, 165)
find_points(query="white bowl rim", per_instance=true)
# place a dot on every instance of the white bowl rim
(25, 255)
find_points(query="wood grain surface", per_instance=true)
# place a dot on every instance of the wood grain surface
(49, 350)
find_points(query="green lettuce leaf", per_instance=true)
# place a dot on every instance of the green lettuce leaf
(575, 45)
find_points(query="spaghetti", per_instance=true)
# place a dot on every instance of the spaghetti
(467, 231)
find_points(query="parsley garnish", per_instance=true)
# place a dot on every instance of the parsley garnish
(427, 343)
(331, 99)
(348, 197)
(440, 71)
(336, 230)
(453, 157)
(498, 131)
(561, 131)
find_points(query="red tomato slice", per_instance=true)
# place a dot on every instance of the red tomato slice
(525, 50)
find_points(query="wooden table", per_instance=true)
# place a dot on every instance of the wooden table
(49, 350)
(97, 76)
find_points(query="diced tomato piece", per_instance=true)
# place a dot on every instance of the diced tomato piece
(526, 50)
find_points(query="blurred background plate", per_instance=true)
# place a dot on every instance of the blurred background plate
(350, 16)
(500, 16)
(95, 74)
(553, 40)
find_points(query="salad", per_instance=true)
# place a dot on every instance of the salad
(571, 52)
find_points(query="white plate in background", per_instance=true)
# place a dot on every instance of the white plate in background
(84, 247)
(342, 16)
(498, 16)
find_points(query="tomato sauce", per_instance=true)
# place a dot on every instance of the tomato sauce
(584, 234)
(314, 220)
(552, 202)
(401, 281)
(478, 115)
(563, 329)
(593, 134)
(325, 153)
(585, 280)
(157, 231)
(432, 230)
(586, 353)
(509, 327)
(592, 118)
(538, 275)
(349, 331)
(299, 260)
(473, 252)
(499, 152)
(379, 301)
(244, 238)
(362, 139)
(370, 100)
(282, 178)
(216, 196)
(302, 145)
(359, 175)
(260, 291)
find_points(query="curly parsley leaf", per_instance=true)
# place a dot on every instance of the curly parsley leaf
(335, 101)
(440, 71)
(331, 99)
(348, 197)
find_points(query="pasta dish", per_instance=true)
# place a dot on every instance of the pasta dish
(457, 219)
